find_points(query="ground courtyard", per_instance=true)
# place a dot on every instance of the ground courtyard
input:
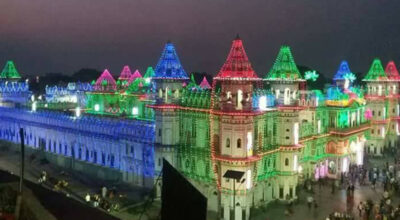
(133, 203)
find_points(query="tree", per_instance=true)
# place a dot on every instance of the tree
(86, 75)
(319, 83)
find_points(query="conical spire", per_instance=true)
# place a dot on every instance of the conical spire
(392, 72)
(204, 84)
(105, 82)
(135, 75)
(237, 64)
(9, 71)
(284, 67)
(125, 74)
(342, 71)
(376, 71)
(192, 83)
(149, 72)
(169, 65)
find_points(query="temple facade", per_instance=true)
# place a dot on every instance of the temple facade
(269, 127)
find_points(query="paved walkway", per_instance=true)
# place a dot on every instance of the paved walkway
(328, 202)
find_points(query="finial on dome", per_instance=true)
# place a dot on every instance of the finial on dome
(237, 37)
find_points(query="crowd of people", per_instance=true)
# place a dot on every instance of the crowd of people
(386, 178)
(102, 200)
(340, 216)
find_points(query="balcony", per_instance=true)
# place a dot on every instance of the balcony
(350, 131)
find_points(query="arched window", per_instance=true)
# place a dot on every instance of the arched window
(103, 158)
(80, 153)
(112, 159)
(286, 97)
(87, 155)
(228, 143)
(166, 94)
(95, 156)
(287, 162)
(239, 99)
(187, 163)
(239, 143)
(228, 95)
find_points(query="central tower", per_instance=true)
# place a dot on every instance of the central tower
(232, 129)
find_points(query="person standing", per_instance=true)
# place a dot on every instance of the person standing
(310, 200)
(360, 208)
(103, 192)
(87, 198)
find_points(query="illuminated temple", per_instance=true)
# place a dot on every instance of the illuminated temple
(267, 125)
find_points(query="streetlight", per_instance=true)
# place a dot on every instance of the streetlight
(236, 176)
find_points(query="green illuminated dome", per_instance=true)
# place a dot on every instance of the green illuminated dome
(284, 67)
(9, 71)
(376, 72)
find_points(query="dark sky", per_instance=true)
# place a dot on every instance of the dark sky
(66, 35)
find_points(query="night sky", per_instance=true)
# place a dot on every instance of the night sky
(65, 35)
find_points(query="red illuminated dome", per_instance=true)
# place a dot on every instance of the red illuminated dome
(391, 71)
(237, 64)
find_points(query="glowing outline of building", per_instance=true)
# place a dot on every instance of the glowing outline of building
(273, 129)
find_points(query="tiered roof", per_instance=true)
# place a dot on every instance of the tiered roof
(284, 67)
(125, 74)
(392, 72)
(105, 82)
(169, 66)
(9, 71)
(204, 84)
(376, 72)
(343, 71)
(237, 64)
(134, 76)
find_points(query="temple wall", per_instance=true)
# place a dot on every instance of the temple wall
(123, 149)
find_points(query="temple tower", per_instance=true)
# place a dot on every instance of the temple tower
(286, 82)
(285, 79)
(169, 77)
(345, 106)
(232, 129)
(377, 91)
(393, 109)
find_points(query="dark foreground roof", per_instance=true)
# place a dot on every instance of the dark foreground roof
(62, 207)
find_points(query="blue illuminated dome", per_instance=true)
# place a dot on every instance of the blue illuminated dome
(169, 66)
(342, 71)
